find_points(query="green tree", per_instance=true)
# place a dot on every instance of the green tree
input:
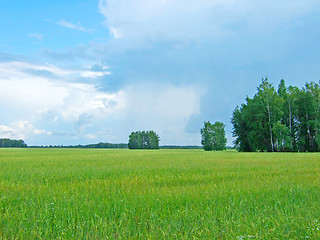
(257, 125)
(309, 118)
(213, 136)
(249, 126)
(271, 110)
(143, 140)
(5, 142)
(240, 130)
(289, 118)
(283, 120)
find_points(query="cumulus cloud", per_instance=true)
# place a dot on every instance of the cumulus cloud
(39, 106)
(7, 132)
(196, 20)
(19, 130)
(24, 89)
(41, 131)
(30, 97)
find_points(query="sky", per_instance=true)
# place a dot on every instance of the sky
(89, 71)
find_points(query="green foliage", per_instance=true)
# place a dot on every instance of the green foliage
(213, 136)
(143, 140)
(180, 194)
(5, 142)
(283, 120)
(309, 118)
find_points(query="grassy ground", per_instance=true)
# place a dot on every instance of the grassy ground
(163, 194)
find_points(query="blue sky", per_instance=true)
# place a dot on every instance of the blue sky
(85, 71)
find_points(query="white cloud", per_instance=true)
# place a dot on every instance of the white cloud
(39, 132)
(164, 108)
(18, 69)
(42, 106)
(91, 74)
(116, 32)
(91, 136)
(24, 93)
(30, 97)
(85, 99)
(164, 100)
(7, 132)
(196, 20)
(21, 130)
(70, 25)
(18, 130)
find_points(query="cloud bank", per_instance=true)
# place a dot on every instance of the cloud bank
(187, 20)
(55, 105)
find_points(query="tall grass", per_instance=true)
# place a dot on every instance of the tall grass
(163, 194)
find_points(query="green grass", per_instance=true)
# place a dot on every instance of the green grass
(161, 194)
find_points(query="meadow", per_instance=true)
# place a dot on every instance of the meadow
(158, 194)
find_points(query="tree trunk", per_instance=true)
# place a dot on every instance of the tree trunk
(270, 129)
(309, 133)
(290, 124)
(290, 117)
(317, 114)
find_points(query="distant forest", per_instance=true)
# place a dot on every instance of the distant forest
(97, 145)
(115, 145)
(101, 145)
(180, 147)
(5, 142)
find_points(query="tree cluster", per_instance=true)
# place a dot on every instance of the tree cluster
(5, 142)
(213, 136)
(284, 120)
(143, 140)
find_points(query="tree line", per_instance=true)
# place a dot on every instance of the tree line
(5, 142)
(180, 147)
(95, 145)
(286, 119)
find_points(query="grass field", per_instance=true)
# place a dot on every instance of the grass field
(161, 194)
